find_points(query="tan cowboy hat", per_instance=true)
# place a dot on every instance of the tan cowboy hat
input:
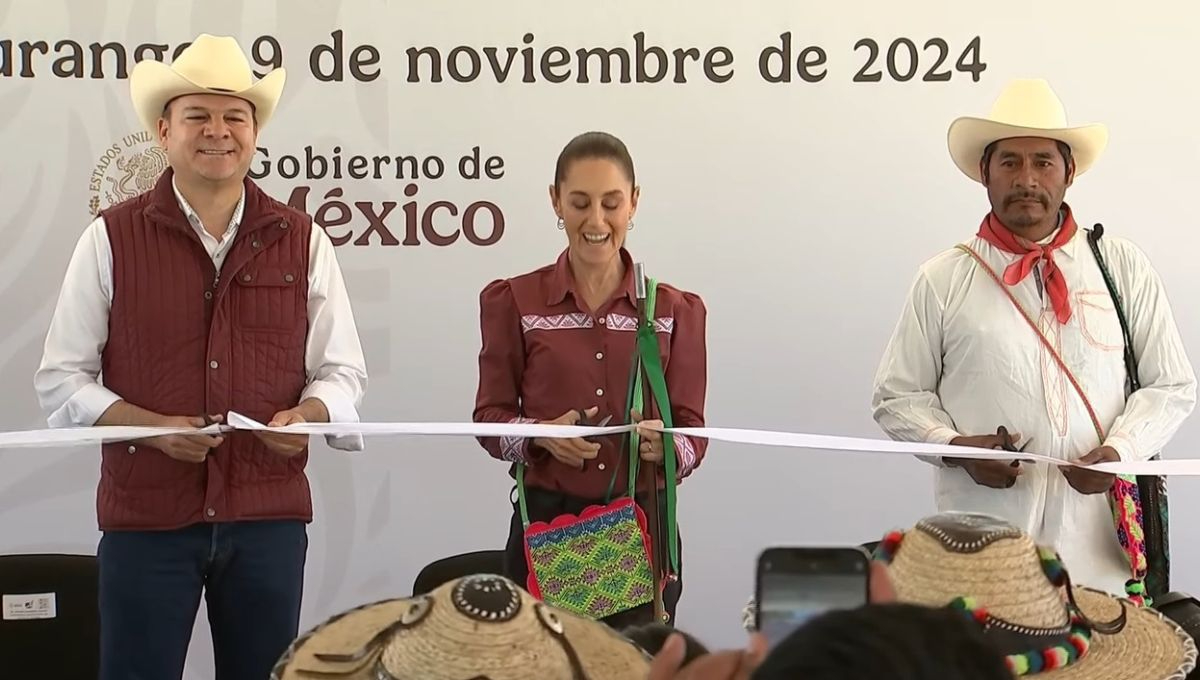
(483, 627)
(210, 65)
(1026, 108)
(1023, 597)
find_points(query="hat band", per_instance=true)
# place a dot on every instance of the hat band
(1030, 650)
(1027, 649)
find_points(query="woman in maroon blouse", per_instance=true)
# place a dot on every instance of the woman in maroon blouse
(559, 341)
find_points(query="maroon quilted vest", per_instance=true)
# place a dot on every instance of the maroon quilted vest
(184, 341)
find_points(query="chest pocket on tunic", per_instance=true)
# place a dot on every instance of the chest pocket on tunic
(1098, 321)
(268, 299)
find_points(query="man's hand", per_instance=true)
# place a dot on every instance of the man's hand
(726, 665)
(651, 446)
(286, 445)
(187, 448)
(1090, 481)
(997, 474)
(570, 452)
(879, 585)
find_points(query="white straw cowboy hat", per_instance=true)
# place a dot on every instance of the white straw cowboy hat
(210, 65)
(1022, 596)
(1026, 108)
(480, 627)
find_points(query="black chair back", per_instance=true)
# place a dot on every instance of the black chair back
(1183, 609)
(456, 566)
(50, 606)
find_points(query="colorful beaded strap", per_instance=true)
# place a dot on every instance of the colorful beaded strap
(1027, 649)
(1059, 649)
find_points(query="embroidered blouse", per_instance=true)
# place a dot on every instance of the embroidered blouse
(544, 353)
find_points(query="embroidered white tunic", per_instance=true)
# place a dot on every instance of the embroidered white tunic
(962, 361)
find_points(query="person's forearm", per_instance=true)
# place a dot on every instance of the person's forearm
(313, 411)
(124, 413)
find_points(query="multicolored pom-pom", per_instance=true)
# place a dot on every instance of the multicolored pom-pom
(1058, 656)
(1052, 566)
(887, 548)
(963, 604)
(971, 609)
(1036, 662)
(1017, 664)
(1080, 643)
(1055, 658)
(1136, 590)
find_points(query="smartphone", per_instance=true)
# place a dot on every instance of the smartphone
(795, 584)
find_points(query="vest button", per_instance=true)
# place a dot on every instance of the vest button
(210, 512)
(257, 244)
(246, 278)
(133, 449)
(289, 278)
(208, 295)
(283, 224)
(213, 364)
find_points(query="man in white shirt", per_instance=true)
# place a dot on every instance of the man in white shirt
(203, 295)
(965, 359)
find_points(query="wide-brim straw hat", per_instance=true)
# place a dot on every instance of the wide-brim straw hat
(1025, 108)
(482, 626)
(1019, 592)
(210, 65)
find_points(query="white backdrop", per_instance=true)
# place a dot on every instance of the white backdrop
(798, 210)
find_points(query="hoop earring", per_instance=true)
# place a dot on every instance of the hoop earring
(629, 227)
(561, 223)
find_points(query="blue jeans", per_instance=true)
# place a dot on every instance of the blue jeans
(252, 577)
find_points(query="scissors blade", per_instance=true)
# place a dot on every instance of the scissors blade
(604, 421)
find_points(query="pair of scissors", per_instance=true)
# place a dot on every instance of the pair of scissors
(583, 420)
(1006, 444)
(1006, 441)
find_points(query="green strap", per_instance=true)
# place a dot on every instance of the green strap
(521, 495)
(635, 400)
(521, 487)
(648, 351)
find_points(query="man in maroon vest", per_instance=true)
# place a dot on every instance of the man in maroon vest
(201, 296)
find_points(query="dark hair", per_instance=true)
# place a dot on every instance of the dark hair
(1063, 148)
(652, 636)
(895, 641)
(593, 145)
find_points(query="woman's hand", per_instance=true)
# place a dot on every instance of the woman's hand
(651, 446)
(570, 452)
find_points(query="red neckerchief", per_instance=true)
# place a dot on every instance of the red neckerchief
(995, 233)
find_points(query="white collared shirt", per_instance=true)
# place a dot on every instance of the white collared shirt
(217, 248)
(67, 382)
(963, 361)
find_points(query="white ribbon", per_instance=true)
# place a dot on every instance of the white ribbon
(70, 436)
(241, 422)
(237, 421)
